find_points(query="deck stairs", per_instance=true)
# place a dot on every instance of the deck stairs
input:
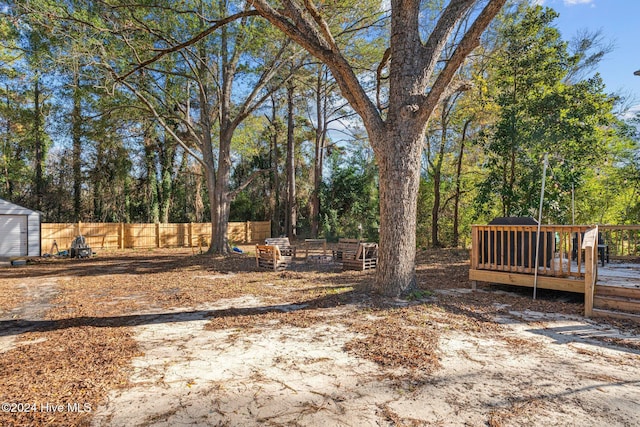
(621, 302)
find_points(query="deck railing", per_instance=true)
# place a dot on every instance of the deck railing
(590, 247)
(623, 241)
(512, 249)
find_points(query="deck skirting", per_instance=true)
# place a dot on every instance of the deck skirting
(518, 279)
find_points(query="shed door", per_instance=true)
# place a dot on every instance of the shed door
(13, 235)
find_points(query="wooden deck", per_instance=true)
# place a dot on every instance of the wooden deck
(567, 259)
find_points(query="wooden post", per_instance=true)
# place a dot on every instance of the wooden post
(275, 259)
(247, 232)
(158, 240)
(590, 246)
(121, 236)
(588, 282)
(78, 229)
(190, 234)
(475, 250)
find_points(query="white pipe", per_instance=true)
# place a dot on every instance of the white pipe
(544, 178)
(573, 204)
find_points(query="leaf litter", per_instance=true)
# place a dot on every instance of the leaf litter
(84, 347)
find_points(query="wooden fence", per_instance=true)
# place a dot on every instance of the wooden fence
(138, 236)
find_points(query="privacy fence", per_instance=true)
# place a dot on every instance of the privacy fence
(140, 236)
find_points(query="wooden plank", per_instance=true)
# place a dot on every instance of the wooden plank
(315, 245)
(616, 314)
(474, 247)
(544, 282)
(617, 303)
(620, 291)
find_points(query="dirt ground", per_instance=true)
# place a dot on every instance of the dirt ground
(171, 337)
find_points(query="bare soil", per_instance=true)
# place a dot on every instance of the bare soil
(171, 337)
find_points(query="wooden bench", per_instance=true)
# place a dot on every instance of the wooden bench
(314, 245)
(269, 256)
(283, 244)
(346, 247)
(365, 258)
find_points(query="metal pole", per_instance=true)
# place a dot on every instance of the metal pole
(573, 205)
(544, 178)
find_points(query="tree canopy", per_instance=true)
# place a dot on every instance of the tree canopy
(402, 122)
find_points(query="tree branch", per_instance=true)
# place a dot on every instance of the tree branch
(469, 42)
(301, 30)
(383, 63)
(234, 193)
(153, 111)
(187, 43)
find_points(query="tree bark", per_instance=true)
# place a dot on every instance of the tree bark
(399, 173)
(458, 192)
(275, 163)
(6, 153)
(151, 204)
(321, 135)
(38, 125)
(291, 167)
(167, 163)
(76, 139)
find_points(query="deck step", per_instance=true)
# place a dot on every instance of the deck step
(598, 312)
(618, 303)
(618, 291)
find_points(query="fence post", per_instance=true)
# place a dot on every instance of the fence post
(247, 232)
(78, 228)
(190, 234)
(157, 235)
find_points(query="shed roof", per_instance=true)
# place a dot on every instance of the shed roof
(8, 208)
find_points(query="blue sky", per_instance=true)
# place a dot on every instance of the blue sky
(619, 21)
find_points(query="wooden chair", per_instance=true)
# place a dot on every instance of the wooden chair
(283, 244)
(346, 247)
(315, 245)
(269, 256)
(365, 258)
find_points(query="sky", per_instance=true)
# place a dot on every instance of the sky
(619, 21)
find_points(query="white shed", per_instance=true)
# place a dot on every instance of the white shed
(19, 231)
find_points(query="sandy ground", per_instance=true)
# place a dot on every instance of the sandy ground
(518, 367)
(543, 370)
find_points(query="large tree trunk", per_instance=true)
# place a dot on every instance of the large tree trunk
(399, 171)
(76, 137)
(38, 124)
(167, 163)
(220, 215)
(292, 214)
(151, 204)
(321, 134)
(274, 163)
(458, 191)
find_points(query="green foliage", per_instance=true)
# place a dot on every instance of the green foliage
(418, 294)
(425, 202)
(527, 99)
(540, 113)
(349, 200)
